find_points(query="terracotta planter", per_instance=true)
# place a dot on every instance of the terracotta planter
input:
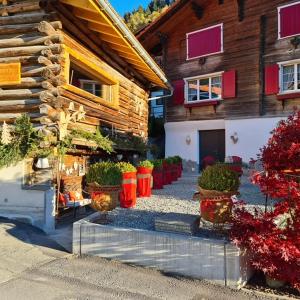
(215, 206)
(212, 193)
(104, 198)
(158, 178)
(128, 192)
(144, 182)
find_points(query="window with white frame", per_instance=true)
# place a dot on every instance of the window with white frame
(290, 77)
(204, 88)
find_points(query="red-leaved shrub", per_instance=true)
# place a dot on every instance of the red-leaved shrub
(272, 239)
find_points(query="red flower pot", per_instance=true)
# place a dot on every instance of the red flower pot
(167, 174)
(174, 172)
(144, 181)
(216, 210)
(158, 178)
(128, 192)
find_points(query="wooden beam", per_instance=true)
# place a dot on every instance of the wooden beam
(115, 42)
(90, 16)
(19, 7)
(129, 53)
(83, 4)
(103, 30)
(127, 57)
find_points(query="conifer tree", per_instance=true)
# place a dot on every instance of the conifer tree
(141, 17)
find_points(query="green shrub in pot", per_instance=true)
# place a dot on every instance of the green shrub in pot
(104, 174)
(157, 163)
(168, 160)
(177, 159)
(126, 167)
(219, 178)
(146, 164)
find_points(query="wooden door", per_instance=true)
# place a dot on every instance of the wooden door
(212, 143)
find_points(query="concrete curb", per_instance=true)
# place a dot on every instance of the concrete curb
(190, 256)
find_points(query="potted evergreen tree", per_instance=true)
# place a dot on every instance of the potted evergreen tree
(104, 184)
(129, 183)
(217, 184)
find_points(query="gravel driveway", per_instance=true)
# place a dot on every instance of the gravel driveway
(177, 198)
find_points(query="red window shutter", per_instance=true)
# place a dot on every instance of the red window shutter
(229, 84)
(272, 79)
(289, 20)
(204, 42)
(178, 96)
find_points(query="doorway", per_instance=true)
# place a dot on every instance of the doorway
(211, 143)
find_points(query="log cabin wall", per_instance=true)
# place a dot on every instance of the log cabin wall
(250, 43)
(36, 34)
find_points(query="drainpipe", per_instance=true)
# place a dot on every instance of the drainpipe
(164, 96)
(118, 21)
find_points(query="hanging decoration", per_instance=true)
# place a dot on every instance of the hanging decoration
(68, 116)
(5, 135)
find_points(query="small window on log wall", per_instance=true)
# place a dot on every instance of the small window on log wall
(82, 79)
(289, 20)
(205, 42)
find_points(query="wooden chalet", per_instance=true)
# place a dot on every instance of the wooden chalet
(69, 64)
(234, 66)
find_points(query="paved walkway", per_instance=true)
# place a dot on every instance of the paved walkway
(22, 247)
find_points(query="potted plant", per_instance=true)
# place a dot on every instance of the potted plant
(128, 192)
(178, 162)
(144, 178)
(217, 184)
(167, 162)
(173, 167)
(104, 181)
(158, 175)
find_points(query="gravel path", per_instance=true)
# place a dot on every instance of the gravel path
(175, 198)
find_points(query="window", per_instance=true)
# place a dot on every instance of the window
(205, 42)
(84, 80)
(289, 20)
(89, 78)
(204, 88)
(290, 77)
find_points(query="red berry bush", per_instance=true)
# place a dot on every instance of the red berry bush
(272, 239)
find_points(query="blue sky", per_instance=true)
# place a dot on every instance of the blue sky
(122, 6)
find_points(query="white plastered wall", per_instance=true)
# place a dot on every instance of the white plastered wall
(252, 134)
(17, 203)
(178, 132)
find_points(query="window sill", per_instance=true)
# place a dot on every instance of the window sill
(202, 103)
(291, 95)
(89, 96)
